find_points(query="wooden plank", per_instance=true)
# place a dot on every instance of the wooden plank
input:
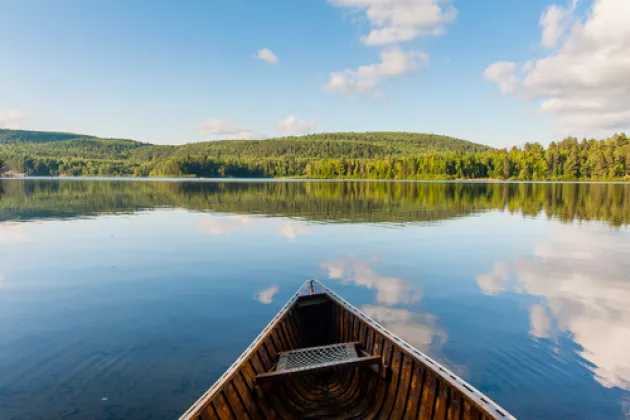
(297, 330)
(221, 407)
(355, 328)
(249, 375)
(342, 324)
(467, 410)
(290, 399)
(377, 347)
(441, 401)
(209, 413)
(234, 402)
(275, 343)
(335, 326)
(247, 397)
(288, 337)
(428, 396)
(382, 345)
(369, 383)
(454, 405)
(362, 331)
(475, 414)
(392, 392)
(279, 376)
(271, 351)
(370, 340)
(406, 371)
(257, 364)
(264, 357)
(303, 389)
(415, 391)
(282, 343)
(349, 318)
(354, 388)
(278, 404)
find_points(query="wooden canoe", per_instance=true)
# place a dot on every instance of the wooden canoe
(320, 357)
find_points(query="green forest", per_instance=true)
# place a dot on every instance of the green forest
(374, 155)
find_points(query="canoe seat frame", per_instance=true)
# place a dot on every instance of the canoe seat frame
(318, 359)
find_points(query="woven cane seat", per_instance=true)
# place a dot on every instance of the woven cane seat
(313, 357)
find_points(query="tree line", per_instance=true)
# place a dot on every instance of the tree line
(326, 158)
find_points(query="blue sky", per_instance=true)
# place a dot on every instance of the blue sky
(176, 72)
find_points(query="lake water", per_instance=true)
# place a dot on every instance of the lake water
(128, 299)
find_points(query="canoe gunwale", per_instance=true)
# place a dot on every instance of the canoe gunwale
(476, 397)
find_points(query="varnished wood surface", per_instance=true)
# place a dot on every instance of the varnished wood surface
(410, 386)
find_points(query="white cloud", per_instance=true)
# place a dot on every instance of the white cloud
(223, 127)
(389, 290)
(419, 330)
(554, 22)
(292, 229)
(219, 126)
(584, 82)
(503, 73)
(395, 21)
(365, 79)
(224, 225)
(581, 277)
(265, 54)
(247, 134)
(10, 118)
(265, 296)
(293, 126)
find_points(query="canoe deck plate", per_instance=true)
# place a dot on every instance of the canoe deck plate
(313, 357)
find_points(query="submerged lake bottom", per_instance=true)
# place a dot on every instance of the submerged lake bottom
(123, 299)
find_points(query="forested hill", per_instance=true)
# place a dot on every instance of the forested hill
(376, 155)
(23, 136)
(327, 145)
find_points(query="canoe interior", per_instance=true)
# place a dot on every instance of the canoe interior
(410, 387)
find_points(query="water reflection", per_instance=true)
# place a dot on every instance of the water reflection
(398, 202)
(12, 232)
(419, 330)
(581, 277)
(218, 226)
(265, 296)
(291, 229)
(389, 290)
(122, 305)
(495, 281)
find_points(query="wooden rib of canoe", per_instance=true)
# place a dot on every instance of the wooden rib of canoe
(321, 358)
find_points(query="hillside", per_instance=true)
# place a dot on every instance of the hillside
(375, 155)
(327, 145)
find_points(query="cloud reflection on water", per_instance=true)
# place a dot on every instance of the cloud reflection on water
(291, 229)
(419, 330)
(224, 225)
(389, 290)
(12, 232)
(265, 296)
(583, 278)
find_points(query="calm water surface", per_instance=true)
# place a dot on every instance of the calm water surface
(128, 299)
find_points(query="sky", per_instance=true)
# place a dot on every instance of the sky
(497, 72)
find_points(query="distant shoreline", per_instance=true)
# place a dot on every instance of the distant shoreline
(295, 179)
